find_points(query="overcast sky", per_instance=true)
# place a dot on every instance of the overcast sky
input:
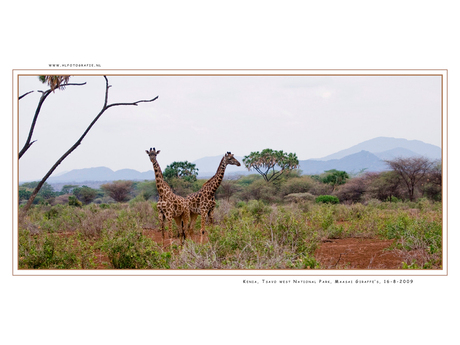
(202, 116)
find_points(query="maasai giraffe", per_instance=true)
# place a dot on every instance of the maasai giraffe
(169, 204)
(203, 202)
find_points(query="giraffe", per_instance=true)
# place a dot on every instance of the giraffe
(203, 202)
(169, 204)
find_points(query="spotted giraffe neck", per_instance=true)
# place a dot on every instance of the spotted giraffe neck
(162, 186)
(216, 180)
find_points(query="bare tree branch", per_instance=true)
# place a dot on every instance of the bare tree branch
(78, 142)
(25, 94)
(45, 94)
(134, 103)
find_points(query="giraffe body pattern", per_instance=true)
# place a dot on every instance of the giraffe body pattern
(203, 202)
(170, 206)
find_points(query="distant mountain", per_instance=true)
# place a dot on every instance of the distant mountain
(369, 155)
(101, 174)
(397, 152)
(384, 144)
(207, 166)
(353, 163)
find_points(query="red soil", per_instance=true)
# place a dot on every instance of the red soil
(348, 253)
(358, 253)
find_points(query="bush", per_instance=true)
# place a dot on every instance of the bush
(327, 199)
(260, 190)
(61, 200)
(131, 250)
(73, 201)
(353, 190)
(49, 251)
(299, 197)
(297, 185)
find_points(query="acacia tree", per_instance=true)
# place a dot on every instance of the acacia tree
(85, 194)
(265, 162)
(334, 178)
(184, 170)
(78, 142)
(411, 170)
(68, 188)
(118, 190)
(55, 82)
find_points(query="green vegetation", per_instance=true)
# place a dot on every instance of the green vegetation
(184, 170)
(327, 199)
(246, 235)
(334, 178)
(257, 225)
(264, 163)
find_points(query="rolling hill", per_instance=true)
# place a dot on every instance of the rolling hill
(101, 174)
(384, 144)
(368, 155)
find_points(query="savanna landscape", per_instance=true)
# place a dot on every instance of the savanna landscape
(326, 221)
(273, 217)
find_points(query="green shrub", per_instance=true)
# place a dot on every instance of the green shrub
(327, 199)
(52, 213)
(260, 190)
(50, 251)
(296, 185)
(393, 199)
(132, 250)
(73, 201)
(308, 262)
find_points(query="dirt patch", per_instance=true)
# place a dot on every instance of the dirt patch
(348, 253)
(358, 253)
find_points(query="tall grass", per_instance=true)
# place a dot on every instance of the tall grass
(246, 235)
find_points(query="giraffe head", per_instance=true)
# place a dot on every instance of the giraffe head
(152, 154)
(229, 159)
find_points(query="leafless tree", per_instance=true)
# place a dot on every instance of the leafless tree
(411, 170)
(43, 97)
(78, 142)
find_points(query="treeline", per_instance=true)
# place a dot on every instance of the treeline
(409, 179)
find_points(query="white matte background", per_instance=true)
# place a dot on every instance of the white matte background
(239, 35)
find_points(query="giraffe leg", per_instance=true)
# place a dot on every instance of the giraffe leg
(203, 225)
(211, 213)
(179, 222)
(170, 229)
(211, 217)
(162, 226)
(191, 225)
(185, 221)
